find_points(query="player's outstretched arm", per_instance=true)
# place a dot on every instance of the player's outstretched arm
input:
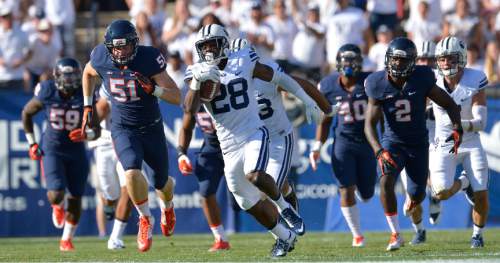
(322, 132)
(185, 135)
(315, 94)
(30, 109)
(169, 90)
(89, 78)
(372, 117)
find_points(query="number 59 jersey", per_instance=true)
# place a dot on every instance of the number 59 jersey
(403, 109)
(132, 106)
(234, 110)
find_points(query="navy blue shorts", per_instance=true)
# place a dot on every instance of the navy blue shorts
(354, 164)
(415, 159)
(209, 169)
(66, 170)
(132, 146)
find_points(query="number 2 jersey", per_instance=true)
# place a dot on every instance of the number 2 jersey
(350, 120)
(132, 106)
(235, 109)
(403, 109)
(63, 115)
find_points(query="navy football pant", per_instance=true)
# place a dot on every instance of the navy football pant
(209, 169)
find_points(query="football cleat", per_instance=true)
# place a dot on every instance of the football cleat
(168, 221)
(282, 247)
(395, 242)
(419, 238)
(434, 210)
(476, 241)
(145, 234)
(469, 194)
(409, 206)
(58, 216)
(66, 245)
(114, 244)
(219, 245)
(358, 241)
(293, 220)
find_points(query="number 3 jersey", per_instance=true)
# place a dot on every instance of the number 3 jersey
(350, 120)
(234, 109)
(403, 109)
(63, 115)
(470, 84)
(132, 106)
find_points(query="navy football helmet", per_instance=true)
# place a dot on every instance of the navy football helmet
(121, 33)
(349, 60)
(400, 57)
(68, 75)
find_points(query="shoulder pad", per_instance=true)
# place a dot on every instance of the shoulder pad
(373, 87)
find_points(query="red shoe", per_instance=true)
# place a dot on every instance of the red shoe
(358, 241)
(66, 245)
(58, 216)
(219, 245)
(168, 221)
(145, 234)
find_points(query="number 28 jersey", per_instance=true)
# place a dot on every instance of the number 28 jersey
(63, 115)
(132, 106)
(234, 110)
(404, 109)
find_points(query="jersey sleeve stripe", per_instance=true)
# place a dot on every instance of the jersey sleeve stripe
(483, 84)
(254, 59)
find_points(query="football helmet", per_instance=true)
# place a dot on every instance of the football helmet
(454, 48)
(121, 33)
(349, 60)
(212, 44)
(68, 75)
(426, 49)
(400, 57)
(237, 44)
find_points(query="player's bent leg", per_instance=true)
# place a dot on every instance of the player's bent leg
(165, 196)
(479, 217)
(212, 214)
(122, 214)
(351, 214)
(73, 213)
(56, 199)
(389, 203)
(289, 194)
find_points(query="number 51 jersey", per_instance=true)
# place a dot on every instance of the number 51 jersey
(234, 109)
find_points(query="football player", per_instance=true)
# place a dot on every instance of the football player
(243, 138)
(135, 78)
(400, 93)
(62, 152)
(467, 88)
(352, 162)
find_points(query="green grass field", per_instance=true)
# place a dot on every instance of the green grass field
(451, 245)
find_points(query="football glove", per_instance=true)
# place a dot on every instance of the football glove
(386, 162)
(184, 165)
(87, 119)
(456, 137)
(314, 155)
(35, 152)
(203, 72)
(145, 82)
(77, 135)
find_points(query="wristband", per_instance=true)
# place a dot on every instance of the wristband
(30, 137)
(158, 92)
(180, 151)
(195, 84)
(316, 146)
(87, 100)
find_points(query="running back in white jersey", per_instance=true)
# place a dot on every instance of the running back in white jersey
(470, 84)
(271, 108)
(234, 110)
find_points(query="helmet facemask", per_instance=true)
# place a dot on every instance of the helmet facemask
(212, 50)
(349, 64)
(399, 65)
(454, 59)
(122, 43)
(68, 79)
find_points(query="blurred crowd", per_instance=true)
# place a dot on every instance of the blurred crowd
(303, 36)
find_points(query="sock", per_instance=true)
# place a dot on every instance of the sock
(218, 231)
(118, 228)
(392, 220)
(281, 232)
(464, 180)
(165, 204)
(477, 230)
(351, 215)
(69, 230)
(143, 208)
(281, 203)
(418, 226)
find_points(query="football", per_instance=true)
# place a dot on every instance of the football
(208, 90)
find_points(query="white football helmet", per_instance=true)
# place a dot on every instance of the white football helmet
(452, 46)
(238, 43)
(216, 34)
(426, 49)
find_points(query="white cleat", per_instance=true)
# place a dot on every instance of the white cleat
(114, 244)
(358, 241)
(395, 242)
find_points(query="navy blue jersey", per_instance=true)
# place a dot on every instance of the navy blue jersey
(349, 122)
(132, 106)
(210, 142)
(404, 109)
(63, 115)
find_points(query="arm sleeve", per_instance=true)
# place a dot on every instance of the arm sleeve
(479, 117)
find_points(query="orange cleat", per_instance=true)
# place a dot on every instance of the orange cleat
(66, 245)
(358, 241)
(395, 242)
(168, 221)
(58, 216)
(219, 245)
(145, 234)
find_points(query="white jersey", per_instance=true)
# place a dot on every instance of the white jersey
(234, 110)
(105, 138)
(271, 108)
(470, 84)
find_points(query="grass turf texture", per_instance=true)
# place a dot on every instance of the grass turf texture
(450, 245)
